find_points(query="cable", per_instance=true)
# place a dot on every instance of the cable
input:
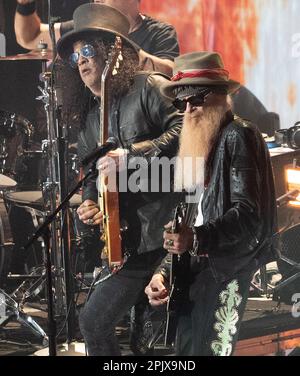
(65, 321)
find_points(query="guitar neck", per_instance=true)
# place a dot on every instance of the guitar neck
(108, 199)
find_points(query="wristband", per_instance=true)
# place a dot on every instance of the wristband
(26, 9)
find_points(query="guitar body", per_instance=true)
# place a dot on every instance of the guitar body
(178, 294)
(113, 242)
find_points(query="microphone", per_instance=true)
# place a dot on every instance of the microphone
(110, 144)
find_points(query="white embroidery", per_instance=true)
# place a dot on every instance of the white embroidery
(227, 317)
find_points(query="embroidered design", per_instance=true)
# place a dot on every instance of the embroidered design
(227, 317)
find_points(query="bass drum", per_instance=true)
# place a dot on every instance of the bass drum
(31, 170)
(6, 242)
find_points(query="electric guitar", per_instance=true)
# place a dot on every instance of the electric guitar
(179, 273)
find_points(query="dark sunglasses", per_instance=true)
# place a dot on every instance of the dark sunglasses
(86, 51)
(195, 101)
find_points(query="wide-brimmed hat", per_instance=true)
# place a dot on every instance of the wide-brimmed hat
(199, 69)
(95, 19)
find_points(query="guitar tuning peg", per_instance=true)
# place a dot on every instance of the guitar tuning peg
(117, 65)
(120, 57)
(114, 72)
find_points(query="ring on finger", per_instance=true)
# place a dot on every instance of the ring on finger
(170, 242)
(90, 221)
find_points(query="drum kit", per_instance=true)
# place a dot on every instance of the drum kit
(29, 187)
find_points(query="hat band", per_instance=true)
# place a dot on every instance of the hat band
(206, 73)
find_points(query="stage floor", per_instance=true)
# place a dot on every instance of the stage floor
(265, 323)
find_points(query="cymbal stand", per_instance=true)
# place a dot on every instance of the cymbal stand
(50, 188)
(62, 160)
(56, 187)
(43, 231)
(10, 310)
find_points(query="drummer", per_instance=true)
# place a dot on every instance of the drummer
(157, 40)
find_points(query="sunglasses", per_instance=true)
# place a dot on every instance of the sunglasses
(86, 51)
(195, 101)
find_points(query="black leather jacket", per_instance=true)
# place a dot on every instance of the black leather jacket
(149, 125)
(238, 205)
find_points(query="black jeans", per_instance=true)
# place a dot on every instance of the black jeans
(112, 299)
(211, 323)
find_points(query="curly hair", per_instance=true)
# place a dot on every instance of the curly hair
(121, 82)
(77, 99)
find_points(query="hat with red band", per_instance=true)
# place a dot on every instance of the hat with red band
(199, 69)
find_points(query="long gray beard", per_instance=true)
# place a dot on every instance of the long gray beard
(196, 139)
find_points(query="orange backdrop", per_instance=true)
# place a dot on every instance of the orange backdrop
(224, 26)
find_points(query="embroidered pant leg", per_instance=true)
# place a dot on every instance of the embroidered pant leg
(211, 326)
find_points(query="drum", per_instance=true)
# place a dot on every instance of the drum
(25, 208)
(31, 170)
(6, 182)
(15, 133)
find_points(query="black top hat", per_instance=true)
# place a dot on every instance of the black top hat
(95, 19)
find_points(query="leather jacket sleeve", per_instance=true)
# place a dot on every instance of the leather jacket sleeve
(164, 267)
(151, 118)
(238, 227)
(160, 112)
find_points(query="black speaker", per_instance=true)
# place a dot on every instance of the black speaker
(289, 265)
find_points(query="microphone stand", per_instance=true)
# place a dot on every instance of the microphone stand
(44, 232)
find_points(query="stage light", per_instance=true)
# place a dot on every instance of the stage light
(292, 174)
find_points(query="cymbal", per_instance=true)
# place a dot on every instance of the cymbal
(36, 198)
(32, 55)
(6, 182)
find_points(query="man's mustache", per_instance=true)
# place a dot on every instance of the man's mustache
(193, 116)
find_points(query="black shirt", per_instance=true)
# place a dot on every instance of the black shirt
(153, 36)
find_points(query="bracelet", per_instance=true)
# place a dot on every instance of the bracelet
(26, 9)
(132, 151)
(194, 250)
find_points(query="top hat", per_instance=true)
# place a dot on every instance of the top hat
(95, 19)
(199, 69)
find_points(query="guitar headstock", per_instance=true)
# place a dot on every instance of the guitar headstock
(114, 60)
(179, 216)
(111, 69)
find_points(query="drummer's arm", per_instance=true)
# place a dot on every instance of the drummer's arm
(30, 31)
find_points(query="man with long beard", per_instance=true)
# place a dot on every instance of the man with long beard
(236, 219)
